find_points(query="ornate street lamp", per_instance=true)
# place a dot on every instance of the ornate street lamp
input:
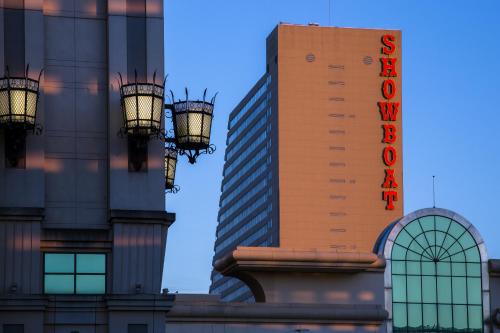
(170, 166)
(142, 109)
(18, 107)
(192, 121)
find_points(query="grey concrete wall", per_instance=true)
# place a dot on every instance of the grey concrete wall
(23, 187)
(20, 269)
(138, 252)
(495, 298)
(133, 190)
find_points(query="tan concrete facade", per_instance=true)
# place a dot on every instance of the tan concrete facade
(330, 136)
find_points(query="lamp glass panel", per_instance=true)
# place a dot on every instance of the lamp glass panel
(145, 103)
(17, 104)
(4, 103)
(195, 126)
(181, 126)
(130, 108)
(31, 107)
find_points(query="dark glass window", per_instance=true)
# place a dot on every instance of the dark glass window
(13, 328)
(74, 273)
(436, 278)
(137, 328)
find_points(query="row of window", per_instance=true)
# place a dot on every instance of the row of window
(250, 164)
(250, 103)
(230, 151)
(438, 268)
(74, 273)
(226, 285)
(259, 233)
(248, 151)
(243, 200)
(258, 112)
(248, 224)
(242, 186)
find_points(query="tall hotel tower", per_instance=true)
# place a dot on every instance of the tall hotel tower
(314, 150)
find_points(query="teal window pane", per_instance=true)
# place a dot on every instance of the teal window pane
(440, 236)
(404, 238)
(90, 263)
(458, 268)
(413, 267)
(429, 235)
(398, 267)
(429, 289)
(445, 317)
(442, 223)
(415, 316)
(428, 268)
(413, 228)
(459, 290)
(398, 252)
(427, 223)
(59, 263)
(413, 256)
(58, 284)
(399, 315)
(472, 255)
(474, 291)
(423, 242)
(456, 230)
(459, 317)
(456, 252)
(475, 317)
(416, 247)
(467, 241)
(443, 268)
(399, 288)
(444, 289)
(474, 270)
(90, 284)
(430, 316)
(414, 288)
(448, 241)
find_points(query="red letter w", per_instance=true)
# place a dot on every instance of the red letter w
(389, 110)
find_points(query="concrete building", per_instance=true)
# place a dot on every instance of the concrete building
(307, 143)
(83, 226)
(82, 238)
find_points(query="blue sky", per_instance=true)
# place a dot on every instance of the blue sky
(451, 99)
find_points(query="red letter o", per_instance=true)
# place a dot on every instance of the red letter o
(388, 89)
(389, 156)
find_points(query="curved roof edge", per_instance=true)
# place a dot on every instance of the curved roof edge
(386, 239)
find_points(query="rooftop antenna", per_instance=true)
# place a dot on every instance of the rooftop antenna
(433, 192)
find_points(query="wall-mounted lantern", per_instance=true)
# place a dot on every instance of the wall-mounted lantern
(170, 166)
(192, 122)
(18, 108)
(142, 108)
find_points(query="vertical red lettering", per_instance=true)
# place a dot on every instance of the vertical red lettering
(389, 133)
(390, 197)
(389, 156)
(388, 67)
(389, 46)
(388, 110)
(388, 89)
(390, 180)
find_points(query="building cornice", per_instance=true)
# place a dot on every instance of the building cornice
(141, 216)
(203, 311)
(21, 214)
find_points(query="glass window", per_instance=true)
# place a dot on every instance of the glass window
(436, 278)
(13, 328)
(74, 273)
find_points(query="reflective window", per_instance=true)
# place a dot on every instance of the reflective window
(231, 150)
(231, 180)
(243, 155)
(436, 278)
(258, 111)
(241, 201)
(74, 273)
(250, 103)
(242, 186)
